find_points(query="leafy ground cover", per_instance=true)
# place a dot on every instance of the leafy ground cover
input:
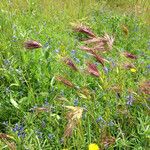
(68, 94)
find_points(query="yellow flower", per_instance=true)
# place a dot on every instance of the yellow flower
(133, 70)
(93, 147)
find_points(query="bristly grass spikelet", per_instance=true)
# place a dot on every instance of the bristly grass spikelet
(129, 55)
(32, 44)
(65, 81)
(92, 69)
(70, 63)
(83, 29)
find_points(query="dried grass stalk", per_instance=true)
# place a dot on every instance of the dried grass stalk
(5, 136)
(41, 109)
(11, 145)
(128, 66)
(145, 87)
(107, 141)
(74, 117)
(99, 43)
(109, 41)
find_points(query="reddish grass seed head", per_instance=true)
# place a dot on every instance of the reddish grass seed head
(70, 63)
(83, 29)
(129, 55)
(65, 81)
(32, 44)
(92, 69)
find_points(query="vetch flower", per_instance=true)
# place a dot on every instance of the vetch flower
(7, 62)
(100, 119)
(14, 38)
(130, 99)
(43, 124)
(93, 146)
(62, 140)
(76, 59)
(50, 136)
(76, 102)
(57, 51)
(73, 52)
(96, 63)
(148, 67)
(19, 129)
(111, 123)
(32, 44)
(105, 70)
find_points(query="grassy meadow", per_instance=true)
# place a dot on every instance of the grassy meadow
(50, 103)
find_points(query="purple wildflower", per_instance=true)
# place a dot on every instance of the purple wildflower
(73, 52)
(76, 102)
(19, 129)
(148, 45)
(62, 140)
(43, 124)
(105, 70)
(148, 67)
(50, 136)
(6, 62)
(21, 134)
(96, 63)
(76, 59)
(46, 103)
(14, 38)
(130, 99)
(57, 51)
(100, 119)
(111, 123)
(62, 92)
(39, 134)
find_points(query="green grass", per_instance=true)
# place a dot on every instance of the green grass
(28, 78)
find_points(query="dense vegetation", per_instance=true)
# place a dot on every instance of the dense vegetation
(47, 104)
